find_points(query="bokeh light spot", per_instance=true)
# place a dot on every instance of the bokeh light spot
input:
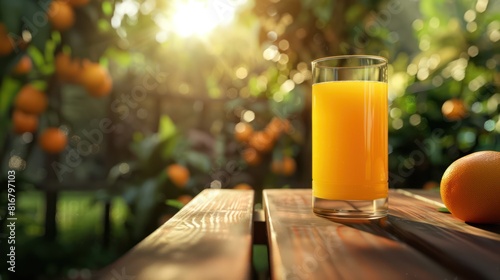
(248, 116)
(241, 73)
(415, 119)
(470, 15)
(417, 24)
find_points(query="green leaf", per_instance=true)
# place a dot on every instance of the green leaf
(56, 37)
(39, 84)
(166, 128)
(8, 91)
(199, 160)
(103, 25)
(144, 149)
(174, 203)
(36, 56)
(107, 8)
(444, 210)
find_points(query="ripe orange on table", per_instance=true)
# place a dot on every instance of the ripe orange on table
(470, 187)
(23, 66)
(454, 109)
(53, 140)
(24, 122)
(178, 174)
(31, 100)
(61, 15)
(285, 166)
(243, 131)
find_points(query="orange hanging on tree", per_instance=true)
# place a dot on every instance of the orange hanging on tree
(23, 66)
(261, 141)
(178, 174)
(285, 166)
(251, 156)
(243, 186)
(24, 122)
(243, 131)
(95, 79)
(61, 15)
(31, 100)
(6, 43)
(454, 109)
(53, 140)
(67, 69)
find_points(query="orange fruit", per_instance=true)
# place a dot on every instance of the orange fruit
(6, 42)
(67, 69)
(78, 3)
(276, 127)
(184, 199)
(261, 141)
(61, 15)
(243, 186)
(243, 131)
(178, 174)
(53, 140)
(23, 122)
(95, 79)
(23, 66)
(454, 109)
(286, 166)
(470, 187)
(104, 89)
(31, 100)
(251, 156)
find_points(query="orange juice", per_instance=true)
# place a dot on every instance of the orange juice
(349, 140)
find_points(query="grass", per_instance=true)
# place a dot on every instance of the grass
(78, 245)
(78, 214)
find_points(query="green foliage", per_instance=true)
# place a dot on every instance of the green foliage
(177, 99)
(456, 62)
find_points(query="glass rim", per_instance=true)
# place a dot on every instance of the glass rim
(381, 61)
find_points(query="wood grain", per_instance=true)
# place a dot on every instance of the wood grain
(305, 246)
(210, 238)
(472, 251)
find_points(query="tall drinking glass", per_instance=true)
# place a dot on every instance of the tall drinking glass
(349, 137)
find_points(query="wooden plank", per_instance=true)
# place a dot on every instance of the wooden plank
(429, 196)
(473, 251)
(305, 246)
(210, 238)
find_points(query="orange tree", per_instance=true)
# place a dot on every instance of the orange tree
(235, 92)
(35, 131)
(444, 98)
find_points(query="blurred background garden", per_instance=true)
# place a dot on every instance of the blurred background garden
(115, 113)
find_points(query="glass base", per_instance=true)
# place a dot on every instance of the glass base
(350, 210)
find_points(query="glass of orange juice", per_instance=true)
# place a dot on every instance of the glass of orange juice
(349, 137)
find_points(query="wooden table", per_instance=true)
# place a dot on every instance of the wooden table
(212, 237)
(416, 241)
